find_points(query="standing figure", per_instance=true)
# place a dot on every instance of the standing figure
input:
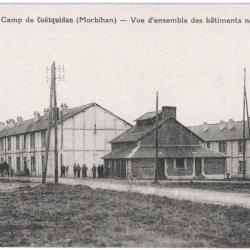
(74, 169)
(6, 167)
(94, 171)
(102, 171)
(78, 170)
(99, 171)
(67, 170)
(27, 172)
(84, 171)
(107, 171)
(62, 171)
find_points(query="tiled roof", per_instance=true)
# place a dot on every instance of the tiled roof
(214, 133)
(73, 111)
(137, 132)
(147, 115)
(141, 152)
(133, 134)
(42, 124)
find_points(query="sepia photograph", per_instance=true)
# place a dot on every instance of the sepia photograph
(124, 125)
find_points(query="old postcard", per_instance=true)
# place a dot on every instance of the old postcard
(124, 125)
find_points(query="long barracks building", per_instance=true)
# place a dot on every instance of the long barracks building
(227, 138)
(83, 135)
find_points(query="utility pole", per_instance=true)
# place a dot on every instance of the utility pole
(244, 127)
(53, 120)
(248, 121)
(50, 122)
(55, 125)
(156, 141)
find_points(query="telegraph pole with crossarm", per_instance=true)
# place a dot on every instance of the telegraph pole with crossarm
(53, 120)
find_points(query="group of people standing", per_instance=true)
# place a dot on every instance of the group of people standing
(64, 171)
(77, 170)
(100, 170)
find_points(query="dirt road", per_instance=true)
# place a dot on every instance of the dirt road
(194, 195)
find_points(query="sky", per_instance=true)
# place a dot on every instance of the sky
(196, 67)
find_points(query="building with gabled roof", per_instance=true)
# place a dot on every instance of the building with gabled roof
(180, 153)
(83, 136)
(227, 138)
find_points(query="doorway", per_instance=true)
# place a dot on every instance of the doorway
(123, 169)
(198, 167)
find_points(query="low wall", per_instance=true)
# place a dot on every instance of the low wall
(214, 166)
(142, 168)
(172, 171)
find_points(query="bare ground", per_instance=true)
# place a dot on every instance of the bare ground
(77, 216)
(236, 187)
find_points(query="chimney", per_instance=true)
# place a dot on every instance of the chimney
(2, 125)
(46, 112)
(10, 123)
(36, 116)
(19, 119)
(231, 124)
(205, 127)
(168, 111)
(222, 125)
(64, 107)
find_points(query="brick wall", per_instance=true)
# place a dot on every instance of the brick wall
(214, 166)
(142, 168)
(179, 172)
(172, 133)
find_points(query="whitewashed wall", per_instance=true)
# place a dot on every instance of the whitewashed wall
(82, 139)
(86, 137)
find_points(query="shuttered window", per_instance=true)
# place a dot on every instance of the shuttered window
(32, 140)
(223, 147)
(17, 142)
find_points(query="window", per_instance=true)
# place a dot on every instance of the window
(240, 146)
(18, 164)
(43, 138)
(180, 163)
(17, 142)
(240, 167)
(24, 141)
(33, 164)
(1, 144)
(9, 143)
(2, 159)
(32, 140)
(94, 128)
(208, 145)
(223, 147)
